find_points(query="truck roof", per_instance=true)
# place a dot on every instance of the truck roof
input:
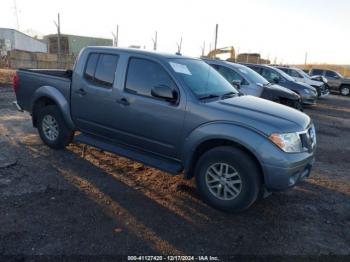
(138, 51)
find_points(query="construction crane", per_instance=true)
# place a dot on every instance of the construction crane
(224, 50)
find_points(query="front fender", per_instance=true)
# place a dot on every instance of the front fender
(249, 138)
(59, 99)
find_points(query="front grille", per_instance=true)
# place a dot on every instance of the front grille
(308, 138)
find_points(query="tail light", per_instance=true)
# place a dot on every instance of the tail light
(15, 82)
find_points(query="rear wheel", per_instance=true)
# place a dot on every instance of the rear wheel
(344, 90)
(52, 128)
(228, 179)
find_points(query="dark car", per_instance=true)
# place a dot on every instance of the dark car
(250, 82)
(300, 76)
(336, 81)
(274, 75)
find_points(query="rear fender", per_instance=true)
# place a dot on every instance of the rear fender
(56, 96)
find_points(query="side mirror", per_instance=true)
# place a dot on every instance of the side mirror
(236, 84)
(164, 92)
(276, 80)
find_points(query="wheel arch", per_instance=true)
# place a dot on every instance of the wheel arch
(195, 151)
(47, 95)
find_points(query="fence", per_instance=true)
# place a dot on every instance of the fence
(22, 59)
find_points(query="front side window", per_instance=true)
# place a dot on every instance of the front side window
(200, 78)
(144, 74)
(332, 74)
(294, 73)
(230, 75)
(270, 75)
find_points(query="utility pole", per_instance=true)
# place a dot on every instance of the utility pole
(58, 25)
(203, 48)
(306, 58)
(116, 37)
(179, 46)
(216, 36)
(155, 41)
(16, 13)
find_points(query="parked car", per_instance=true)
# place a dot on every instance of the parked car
(250, 82)
(336, 81)
(301, 76)
(174, 113)
(307, 93)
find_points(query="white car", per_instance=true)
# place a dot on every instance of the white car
(300, 76)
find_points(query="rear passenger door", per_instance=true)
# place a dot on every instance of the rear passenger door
(144, 121)
(92, 100)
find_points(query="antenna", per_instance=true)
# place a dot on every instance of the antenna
(16, 13)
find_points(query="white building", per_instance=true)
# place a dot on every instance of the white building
(11, 39)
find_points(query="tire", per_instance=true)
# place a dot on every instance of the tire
(52, 128)
(344, 90)
(237, 161)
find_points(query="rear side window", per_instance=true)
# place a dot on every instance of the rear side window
(315, 72)
(91, 66)
(101, 68)
(143, 75)
(105, 70)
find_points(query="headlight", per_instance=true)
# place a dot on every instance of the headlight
(307, 91)
(289, 143)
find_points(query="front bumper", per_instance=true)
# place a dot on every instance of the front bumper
(309, 99)
(281, 178)
(284, 170)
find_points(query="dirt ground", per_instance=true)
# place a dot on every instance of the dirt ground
(95, 203)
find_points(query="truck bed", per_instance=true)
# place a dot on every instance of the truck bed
(30, 80)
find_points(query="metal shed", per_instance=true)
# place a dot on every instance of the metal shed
(11, 39)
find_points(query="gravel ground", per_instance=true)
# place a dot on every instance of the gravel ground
(77, 202)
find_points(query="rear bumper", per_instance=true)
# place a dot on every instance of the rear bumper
(18, 107)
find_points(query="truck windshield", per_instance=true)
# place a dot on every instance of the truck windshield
(202, 79)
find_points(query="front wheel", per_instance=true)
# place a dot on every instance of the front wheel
(344, 90)
(52, 128)
(228, 179)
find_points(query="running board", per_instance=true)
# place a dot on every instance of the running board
(170, 166)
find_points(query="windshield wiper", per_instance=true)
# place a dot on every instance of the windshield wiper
(208, 96)
(228, 95)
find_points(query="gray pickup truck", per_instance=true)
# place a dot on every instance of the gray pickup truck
(336, 81)
(176, 114)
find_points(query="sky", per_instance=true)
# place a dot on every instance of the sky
(278, 29)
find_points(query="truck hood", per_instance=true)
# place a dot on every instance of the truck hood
(282, 89)
(266, 116)
(314, 83)
(346, 80)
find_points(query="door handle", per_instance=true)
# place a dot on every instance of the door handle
(123, 101)
(81, 92)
